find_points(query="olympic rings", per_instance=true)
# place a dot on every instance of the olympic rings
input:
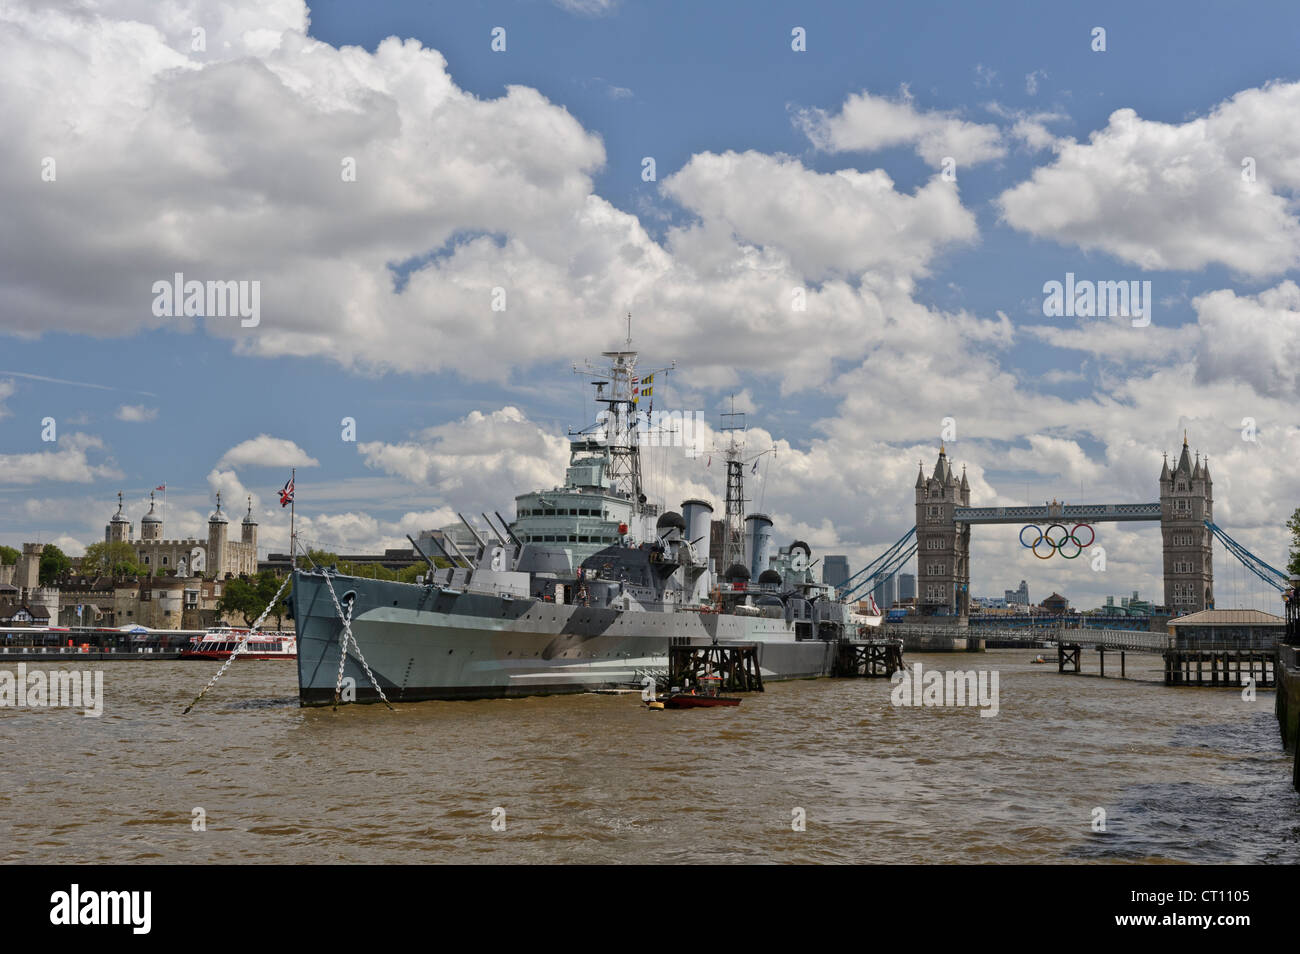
(1058, 545)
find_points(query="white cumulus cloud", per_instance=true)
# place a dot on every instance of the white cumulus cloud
(867, 122)
(267, 451)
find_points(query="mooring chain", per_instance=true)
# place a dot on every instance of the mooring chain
(239, 646)
(344, 637)
(343, 655)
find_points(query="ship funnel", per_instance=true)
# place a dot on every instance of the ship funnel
(758, 543)
(699, 527)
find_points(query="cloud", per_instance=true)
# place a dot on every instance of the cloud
(823, 224)
(267, 451)
(7, 389)
(1251, 338)
(589, 8)
(474, 201)
(69, 462)
(867, 123)
(463, 195)
(136, 413)
(1172, 196)
(232, 490)
(481, 461)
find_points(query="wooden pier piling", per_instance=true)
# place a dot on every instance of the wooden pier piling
(736, 665)
(1217, 666)
(873, 658)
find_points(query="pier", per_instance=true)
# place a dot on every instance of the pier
(1221, 666)
(872, 658)
(736, 665)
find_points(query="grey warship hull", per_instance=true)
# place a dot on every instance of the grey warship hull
(425, 642)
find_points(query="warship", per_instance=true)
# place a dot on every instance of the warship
(586, 589)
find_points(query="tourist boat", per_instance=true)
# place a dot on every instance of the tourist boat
(221, 641)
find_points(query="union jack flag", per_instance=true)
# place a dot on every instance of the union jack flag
(286, 494)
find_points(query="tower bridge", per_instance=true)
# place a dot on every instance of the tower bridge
(940, 540)
(944, 518)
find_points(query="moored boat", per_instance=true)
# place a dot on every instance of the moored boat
(587, 588)
(220, 642)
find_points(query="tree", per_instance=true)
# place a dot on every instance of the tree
(8, 555)
(240, 596)
(249, 596)
(408, 574)
(267, 586)
(54, 564)
(1294, 526)
(115, 558)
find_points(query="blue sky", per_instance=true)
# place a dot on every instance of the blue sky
(675, 81)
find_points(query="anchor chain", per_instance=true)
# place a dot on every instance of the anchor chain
(343, 655)
(239, 646)
(344, 638)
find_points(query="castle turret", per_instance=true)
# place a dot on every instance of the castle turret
(248, 529)
(943, 544)
(1186, 503)
(27, 577)
(119, 528)
(151, 525)
(218, 526)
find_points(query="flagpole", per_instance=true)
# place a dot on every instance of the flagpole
(293, 556)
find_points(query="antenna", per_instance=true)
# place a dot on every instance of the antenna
(733, 545)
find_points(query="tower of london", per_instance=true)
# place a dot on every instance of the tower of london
(218, 556)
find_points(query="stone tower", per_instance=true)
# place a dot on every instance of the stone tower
(151, 525)
(28, 575)
(248, 529)
(119, 528)
(218, 526)
(1186, 502)
(943, 545)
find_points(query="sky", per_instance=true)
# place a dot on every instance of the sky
(842, 217)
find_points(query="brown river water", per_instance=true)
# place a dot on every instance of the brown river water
(1183, 774)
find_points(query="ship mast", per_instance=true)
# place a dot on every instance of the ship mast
(733, 543)
(617, 387)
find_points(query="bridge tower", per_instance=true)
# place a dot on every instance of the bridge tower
(943, 545)
(1186, 502)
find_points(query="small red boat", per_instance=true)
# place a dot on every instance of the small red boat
(705, 697)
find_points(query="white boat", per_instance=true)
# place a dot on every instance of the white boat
(220, 642)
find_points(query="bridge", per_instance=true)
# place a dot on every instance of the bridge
(1058, 513)
(940, 538)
